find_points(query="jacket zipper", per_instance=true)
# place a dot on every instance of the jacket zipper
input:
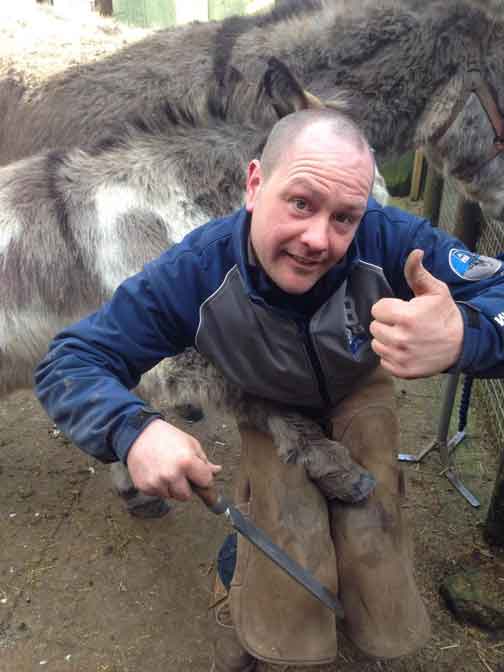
(303, 328)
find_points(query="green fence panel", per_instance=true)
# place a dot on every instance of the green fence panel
(220, 9)
(397, 174)
(146, 13)
(163, 13)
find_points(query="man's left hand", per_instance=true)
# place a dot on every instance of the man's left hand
(420, 337)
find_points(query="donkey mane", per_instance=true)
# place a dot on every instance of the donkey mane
(166, 117)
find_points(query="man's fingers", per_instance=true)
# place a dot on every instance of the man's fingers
(389, 311)
(384, 333)
(198, 451)
(385, 355)
(198, 472)
(388, 360)
(385, 352)
(180, 488)
(202, 473)
(391, 368)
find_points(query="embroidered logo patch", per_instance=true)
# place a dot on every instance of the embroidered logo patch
(471, 266)
(357, 336)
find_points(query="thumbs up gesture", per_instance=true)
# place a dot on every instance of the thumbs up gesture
(420, 337)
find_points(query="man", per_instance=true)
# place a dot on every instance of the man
(314, 296)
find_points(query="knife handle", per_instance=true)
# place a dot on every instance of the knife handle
(212, 499)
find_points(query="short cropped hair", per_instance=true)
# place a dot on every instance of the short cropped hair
(290, 127)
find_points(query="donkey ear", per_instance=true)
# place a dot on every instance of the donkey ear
(284, 91)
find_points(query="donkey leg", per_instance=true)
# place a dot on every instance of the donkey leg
(138, 504)
(328, 463)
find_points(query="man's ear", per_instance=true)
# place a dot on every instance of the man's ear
(254, 183)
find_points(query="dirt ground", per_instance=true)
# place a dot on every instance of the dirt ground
(84, 587)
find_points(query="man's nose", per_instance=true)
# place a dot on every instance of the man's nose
(316, 235)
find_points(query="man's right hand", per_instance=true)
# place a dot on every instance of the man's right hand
(163, 460)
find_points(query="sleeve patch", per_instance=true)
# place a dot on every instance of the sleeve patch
(471, 266)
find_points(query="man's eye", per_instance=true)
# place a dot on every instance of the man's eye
(342, 218)
(300, 203)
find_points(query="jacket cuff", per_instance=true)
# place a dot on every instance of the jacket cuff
(131, 430)
(472, 331)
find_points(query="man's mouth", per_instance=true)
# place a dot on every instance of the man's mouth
(303, 261)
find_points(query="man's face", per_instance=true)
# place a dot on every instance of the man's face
(306, 213)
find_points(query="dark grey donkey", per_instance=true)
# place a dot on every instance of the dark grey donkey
(74, 224)
(427, 72)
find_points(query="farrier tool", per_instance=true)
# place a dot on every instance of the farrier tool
(218, 504)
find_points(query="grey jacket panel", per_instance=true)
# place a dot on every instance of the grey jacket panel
(255, 347)
(340, 329)
(264, 352)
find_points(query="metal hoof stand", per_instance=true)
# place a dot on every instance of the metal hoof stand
(444, 445)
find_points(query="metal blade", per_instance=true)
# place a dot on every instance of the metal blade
(279, 557)
(218, 504)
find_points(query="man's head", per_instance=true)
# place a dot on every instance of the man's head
(307, 196)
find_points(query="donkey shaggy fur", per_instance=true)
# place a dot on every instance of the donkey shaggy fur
(395, 60)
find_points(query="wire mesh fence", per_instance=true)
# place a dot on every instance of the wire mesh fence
(447, 212)
(490, 393)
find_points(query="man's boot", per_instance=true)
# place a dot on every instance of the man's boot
(384, 612)
(276, 619)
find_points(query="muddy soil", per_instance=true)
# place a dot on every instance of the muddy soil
(84, 587)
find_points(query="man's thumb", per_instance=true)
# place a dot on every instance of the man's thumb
(418, 278)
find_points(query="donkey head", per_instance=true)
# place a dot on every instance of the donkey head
(286, 96)
(468, 144)
(462, 127)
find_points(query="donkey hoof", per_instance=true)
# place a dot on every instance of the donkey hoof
(189, 412)
(145, 506)
(348, 490)
(362, 488)
(157, 508)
